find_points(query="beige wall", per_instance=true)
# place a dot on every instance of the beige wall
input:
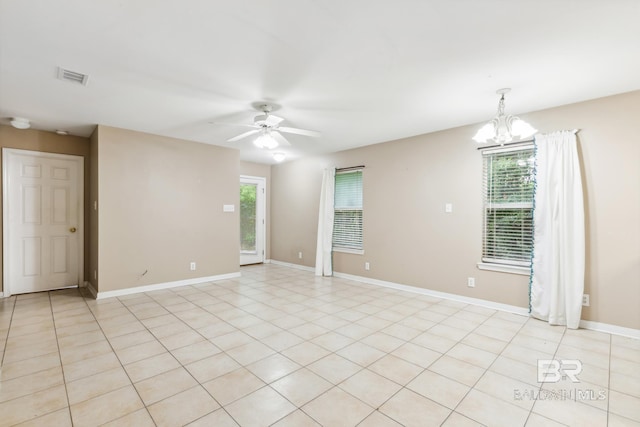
(263, 171)
(409, 239)
(295, 196)
(35, 140)
(160, 205)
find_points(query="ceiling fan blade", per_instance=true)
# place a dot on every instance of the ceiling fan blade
(297, 131)
(279, 138)
(273, 120)
(243, 135)
(244, 125)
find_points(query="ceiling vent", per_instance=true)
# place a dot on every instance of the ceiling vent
(72, 76)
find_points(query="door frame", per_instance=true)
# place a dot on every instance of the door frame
(261, 211)
(7, 156)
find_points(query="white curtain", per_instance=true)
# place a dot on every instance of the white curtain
(325, 224)
(557, 268)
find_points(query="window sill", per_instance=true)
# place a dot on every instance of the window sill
(349, 251)
(512, 269)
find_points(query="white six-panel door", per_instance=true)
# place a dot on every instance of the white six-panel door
(42, 196)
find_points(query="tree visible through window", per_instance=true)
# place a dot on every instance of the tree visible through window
(347, 223)
(508, 206)
(248, 194)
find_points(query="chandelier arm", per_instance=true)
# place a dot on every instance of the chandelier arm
(501, 106)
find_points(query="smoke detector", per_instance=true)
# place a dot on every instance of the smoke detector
(20, 123)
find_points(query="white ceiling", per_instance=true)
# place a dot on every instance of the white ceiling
(361, 72)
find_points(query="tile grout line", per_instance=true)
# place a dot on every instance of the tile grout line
(221, 350)
(521, 329)
(284, 296)
(49, 306)
(276, 352)
(6, 341)
(488, 368)
(172, 355)
(402, 387)
(121, 365)
(64, 381)
(575, 399)
(301, 366)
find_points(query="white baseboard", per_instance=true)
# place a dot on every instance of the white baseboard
(444, 295)
(291, 265)
(91, 289)
(523, 311)
(159, 286)
(610, 329)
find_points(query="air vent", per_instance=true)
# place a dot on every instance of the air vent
(72, 76)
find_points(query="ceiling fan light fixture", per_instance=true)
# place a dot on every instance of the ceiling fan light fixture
(20, 123)
(503, 128)
(266, 129)
(265, 140)
(279, 157)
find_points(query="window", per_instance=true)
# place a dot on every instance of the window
(347, 223)
(508, 206)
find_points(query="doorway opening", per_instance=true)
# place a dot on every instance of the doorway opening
(252, 219)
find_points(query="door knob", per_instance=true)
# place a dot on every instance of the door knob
(72, 229)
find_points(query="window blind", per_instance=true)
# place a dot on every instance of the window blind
(508, 177)
(347, 223)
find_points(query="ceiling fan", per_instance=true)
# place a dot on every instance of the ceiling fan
(268, 129)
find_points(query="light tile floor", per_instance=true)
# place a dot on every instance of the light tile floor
(280, 347)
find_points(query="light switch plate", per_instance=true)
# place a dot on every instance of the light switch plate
(448, 208)
(228, 208)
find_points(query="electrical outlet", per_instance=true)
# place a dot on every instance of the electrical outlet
(299, 255)
(585, 300)
(471, 282)
(367, 266)
(192, 266)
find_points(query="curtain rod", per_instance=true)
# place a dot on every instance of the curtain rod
(526, 141)
(508, 144)
(349, 168)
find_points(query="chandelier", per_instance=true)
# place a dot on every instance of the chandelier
(503, 128)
